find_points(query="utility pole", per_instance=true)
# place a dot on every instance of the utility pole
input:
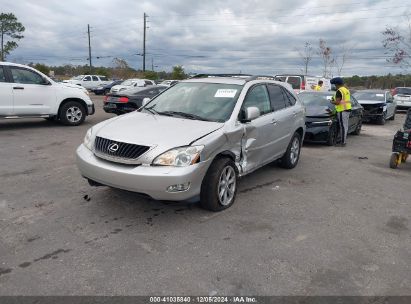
(152, 64)
(89, 48)
(144, 42)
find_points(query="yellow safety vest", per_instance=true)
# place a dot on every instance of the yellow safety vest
(317, 88)
(345, 103)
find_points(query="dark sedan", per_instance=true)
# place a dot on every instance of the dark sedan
(121, 103)
(321, 121)
(105, 89)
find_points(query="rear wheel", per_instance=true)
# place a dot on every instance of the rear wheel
(292, 155)
(219, 186)
(394, 160)
(72, 113)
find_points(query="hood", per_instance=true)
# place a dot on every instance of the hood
(317, 111)
(155, 130)
(370, 102)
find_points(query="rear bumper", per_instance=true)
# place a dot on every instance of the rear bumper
(91, 109)
(149, 180)
(120, 108)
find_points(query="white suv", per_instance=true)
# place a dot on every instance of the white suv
(88, 81)
(25, 92)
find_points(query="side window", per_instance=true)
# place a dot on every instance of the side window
(87, 78)
(2, 76)
(258, 97)
(95, 78)
(289, 98)
(25, 76)
(103, 78)
(277, 97)
(147, 82)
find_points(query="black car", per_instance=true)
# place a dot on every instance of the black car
(121, 103)
(321, 121)
(105, 89)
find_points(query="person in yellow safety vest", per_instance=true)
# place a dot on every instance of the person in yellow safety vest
(342, 102)
(318, 86)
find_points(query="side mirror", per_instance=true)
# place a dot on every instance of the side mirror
(251, 113)
(145, 101)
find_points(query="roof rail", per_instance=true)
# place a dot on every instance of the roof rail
(261, 77)
(221, 75)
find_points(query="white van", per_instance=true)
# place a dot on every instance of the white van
(301, 83)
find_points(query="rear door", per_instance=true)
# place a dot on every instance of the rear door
(31, 96)
(6, 94)
(282, 105)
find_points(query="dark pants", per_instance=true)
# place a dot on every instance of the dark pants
(343, 118)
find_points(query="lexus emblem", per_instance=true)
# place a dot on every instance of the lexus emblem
(113, 148)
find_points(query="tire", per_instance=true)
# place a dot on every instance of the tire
(394, 160)
(221, 178)
(357, 130)
(393, 116)
(292, 155)
(382, 119)
(106, 91)
(332, 136)
(72, 113)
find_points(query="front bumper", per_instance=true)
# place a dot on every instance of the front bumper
(317, 134)
(149, 180)
(119, 108)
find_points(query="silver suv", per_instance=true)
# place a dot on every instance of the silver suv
(196, 138)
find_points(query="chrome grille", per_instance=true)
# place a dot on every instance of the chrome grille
(114, 150)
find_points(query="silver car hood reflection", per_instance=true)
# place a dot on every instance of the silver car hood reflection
(160, 131)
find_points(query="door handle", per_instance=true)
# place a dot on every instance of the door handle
(18, 88)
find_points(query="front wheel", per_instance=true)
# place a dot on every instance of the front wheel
(382, 119)
(357, 130)
(332, 136)
(292, 155)
(72, 113)
(394, 160)
(219, 186)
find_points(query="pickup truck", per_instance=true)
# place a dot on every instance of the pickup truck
(25, 92)
(88, 81)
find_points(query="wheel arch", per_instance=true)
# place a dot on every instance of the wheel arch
(81, 101)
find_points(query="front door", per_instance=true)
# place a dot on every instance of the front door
(258, 142)
(31, 96)
(6, 95)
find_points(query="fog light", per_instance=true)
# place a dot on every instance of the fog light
(178, 187)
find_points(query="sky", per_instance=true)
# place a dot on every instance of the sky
(213, 36)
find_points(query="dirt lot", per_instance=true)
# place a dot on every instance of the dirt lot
(338, 224)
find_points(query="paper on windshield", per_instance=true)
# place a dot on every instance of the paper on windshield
(225, 93)
(379, 95)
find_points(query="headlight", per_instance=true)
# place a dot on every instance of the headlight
(179, 157)
(88, 142)
(320, 123)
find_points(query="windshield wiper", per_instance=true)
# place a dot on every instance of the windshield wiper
(151, 110)
(183, 114)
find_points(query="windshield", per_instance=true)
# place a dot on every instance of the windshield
(315, 99)
(202, 101)
(128, 82)
(370, 96)
(80, 77)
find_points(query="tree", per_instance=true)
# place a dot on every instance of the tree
(42, 68)
(341, 59)
(306, 54)
(150, 75)
(325, 53)
(9, 27)
(178, 72)
(398, 45)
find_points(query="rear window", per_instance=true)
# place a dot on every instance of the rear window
(2, 76)
(406, 91)
(295, 82)
(103, 78)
